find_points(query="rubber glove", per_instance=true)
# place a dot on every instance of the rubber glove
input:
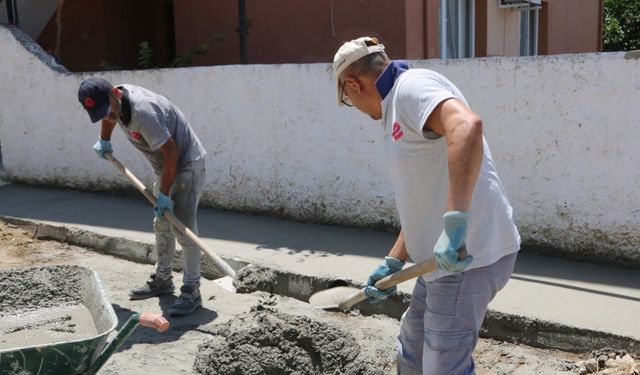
(102, 146)
(389, 266)
(163, 202)
(451, 241)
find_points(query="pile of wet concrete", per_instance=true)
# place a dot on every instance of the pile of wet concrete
(253, 278)
(270, 342)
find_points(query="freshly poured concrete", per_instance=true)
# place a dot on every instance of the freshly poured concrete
(567, 292)
(174, 351)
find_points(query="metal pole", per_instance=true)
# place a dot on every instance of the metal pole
(242, 30)
(12, 12)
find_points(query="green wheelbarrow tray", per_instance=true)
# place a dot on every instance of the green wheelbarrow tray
(84, 354)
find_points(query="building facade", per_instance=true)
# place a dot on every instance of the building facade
(108, 33)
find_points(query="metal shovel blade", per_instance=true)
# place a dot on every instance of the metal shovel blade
(226, 283)
(343, 297)
(332, 298)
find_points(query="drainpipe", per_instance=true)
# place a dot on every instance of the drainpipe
(242, 30)
(12, 12)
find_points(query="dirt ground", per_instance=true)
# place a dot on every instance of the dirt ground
(174, 352)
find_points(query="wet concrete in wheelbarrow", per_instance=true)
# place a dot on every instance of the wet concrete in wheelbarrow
(32, 288)
(175, 352)
(42, 305)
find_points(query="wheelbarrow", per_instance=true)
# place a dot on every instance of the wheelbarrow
(57, 319)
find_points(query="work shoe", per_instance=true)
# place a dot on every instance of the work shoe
(188, 301)
(155, 286)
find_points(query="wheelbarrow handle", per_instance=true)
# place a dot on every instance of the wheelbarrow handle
(146, 319)
(155, 321)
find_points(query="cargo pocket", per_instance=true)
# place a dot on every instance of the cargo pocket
(451, 340)
(443, 295)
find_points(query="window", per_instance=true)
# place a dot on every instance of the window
(457, 28)
(529, 31)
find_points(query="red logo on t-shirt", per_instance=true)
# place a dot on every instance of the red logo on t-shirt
(397, 132)
(135, 135)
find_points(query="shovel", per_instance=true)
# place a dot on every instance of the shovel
(225, 282)
(343, 297)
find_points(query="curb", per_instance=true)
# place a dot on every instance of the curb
(500, 326)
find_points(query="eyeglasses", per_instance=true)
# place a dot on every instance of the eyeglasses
(345, 99)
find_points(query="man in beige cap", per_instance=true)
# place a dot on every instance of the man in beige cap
(449, 198)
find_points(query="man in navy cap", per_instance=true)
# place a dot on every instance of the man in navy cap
(157, 128)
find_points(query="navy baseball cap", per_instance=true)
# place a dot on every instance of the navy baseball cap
(93, 94)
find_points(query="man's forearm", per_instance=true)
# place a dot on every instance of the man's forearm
(399, 249)
(170, 165)
(169, 170)
(106, 129)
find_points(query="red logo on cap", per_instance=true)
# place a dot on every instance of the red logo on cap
(396, 132)
(89, 103)
(135, 135)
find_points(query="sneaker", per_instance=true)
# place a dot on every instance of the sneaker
(188, 301)
(155, 286)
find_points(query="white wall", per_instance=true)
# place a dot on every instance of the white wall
(563, 132)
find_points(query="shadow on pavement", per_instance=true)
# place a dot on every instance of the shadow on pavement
(128, 213)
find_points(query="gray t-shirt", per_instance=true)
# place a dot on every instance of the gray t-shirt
(418, 168)
(149, 120)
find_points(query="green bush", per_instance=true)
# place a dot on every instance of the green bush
(621, 29)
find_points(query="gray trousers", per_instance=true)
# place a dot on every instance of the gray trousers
(185, 193)
(440, 329)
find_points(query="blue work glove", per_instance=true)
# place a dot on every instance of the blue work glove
(102, 146)
(451, 241)
(389, 266)
(163, 202)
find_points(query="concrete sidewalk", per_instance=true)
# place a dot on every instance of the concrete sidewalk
(573, 294)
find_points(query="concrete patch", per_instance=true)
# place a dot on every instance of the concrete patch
(507, 327)
(545, 334)
(173, 352)
(266, 341)
(253, 278)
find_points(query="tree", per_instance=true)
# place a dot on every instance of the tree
(621, 25)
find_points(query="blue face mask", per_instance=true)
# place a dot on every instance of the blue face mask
(385, 82)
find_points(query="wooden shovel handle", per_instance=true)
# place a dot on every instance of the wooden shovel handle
(403, 275)
(219, 262)
(412, 272)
